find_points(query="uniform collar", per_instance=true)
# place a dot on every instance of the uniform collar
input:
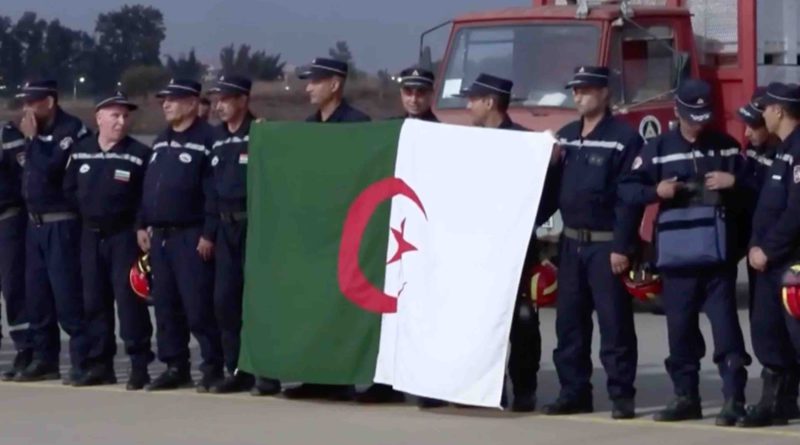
(607, 116)
(792, 141)
(116, 148)
(244, 129)
(60, 114)
(507, 122)
(337, 115)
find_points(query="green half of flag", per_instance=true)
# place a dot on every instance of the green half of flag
(302, 180)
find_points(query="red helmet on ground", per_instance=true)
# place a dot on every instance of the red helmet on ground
(140, 278)
(544, 284)
(791, 290)
(643, 284)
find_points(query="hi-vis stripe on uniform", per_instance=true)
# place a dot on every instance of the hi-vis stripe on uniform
(189, 146)
(231, 140)
(13, 144)
(125, 157)
(761, 159)
(694, 154)
(611, 145)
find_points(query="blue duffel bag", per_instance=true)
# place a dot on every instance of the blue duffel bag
(690, 237)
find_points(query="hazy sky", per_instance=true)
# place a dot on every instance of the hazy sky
(381, 33)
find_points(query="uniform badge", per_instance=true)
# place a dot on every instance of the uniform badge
(122, 175)
(215, 161)
(185, 158)
(84, 168)
(243, 158)
(796, 174)
(637, 163)
(21, 159)
(153, 158)
(65, 143)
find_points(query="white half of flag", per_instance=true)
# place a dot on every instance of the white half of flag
(480, 190)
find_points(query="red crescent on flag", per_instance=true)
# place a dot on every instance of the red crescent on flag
(352, 282)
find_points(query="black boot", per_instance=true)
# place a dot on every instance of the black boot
(99, 374)
(378, 394)
(138, 379)
(769, 410)
(427, 403)
(38, 371)
(338, 393)
(173, 378)
(72, 376)
(681, 408)
(21, 361)
(266, 387)
(563, 406)
(790, 407)
(239, 382)
(623, 409)
(731, 412)
(524, 402)
(209, 380)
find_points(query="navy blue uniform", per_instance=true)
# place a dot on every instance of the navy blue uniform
(776, 231)
(52, 275)
(343, 113)
(590, 207)
(688, 292)
(107, 189)
(229, 162)
(13, 220)
(178, 203)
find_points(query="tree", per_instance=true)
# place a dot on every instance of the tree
(142, 80)
(258, 65)
(29, 32)
(11, 71)
(341, 52)
(186, 67)
(128, 37)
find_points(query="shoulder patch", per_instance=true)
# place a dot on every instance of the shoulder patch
(66, 143)
(637, 163)
(796, 174)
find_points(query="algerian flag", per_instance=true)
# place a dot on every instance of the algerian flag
(346, 218)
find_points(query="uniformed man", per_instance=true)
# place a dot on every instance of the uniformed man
(13, 221)
(416, 94)
(178, 226)
(204, 111)
(52, 270)
(488, 101)
(229, 162)
(326, 80)
(104, 178)
(776, 228)
(598, 242)
(416, 97)
(690, 165)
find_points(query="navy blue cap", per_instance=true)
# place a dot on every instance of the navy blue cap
(782, 94)
(181, 88)
(486, 84)
(694, 101)
(38, 89)
(752, 113)
(589, 76)
(322, 68)
(416, 78)
(117, 98)
(234, 85)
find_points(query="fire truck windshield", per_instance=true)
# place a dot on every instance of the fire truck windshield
(539, 58)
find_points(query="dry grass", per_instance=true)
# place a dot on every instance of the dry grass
(271, 100)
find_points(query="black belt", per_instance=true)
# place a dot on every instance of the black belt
(44, 218)
(233, 217)
(588, 236)
(108, 230)
(167, 230)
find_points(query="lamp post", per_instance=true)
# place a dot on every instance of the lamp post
(75, 87)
